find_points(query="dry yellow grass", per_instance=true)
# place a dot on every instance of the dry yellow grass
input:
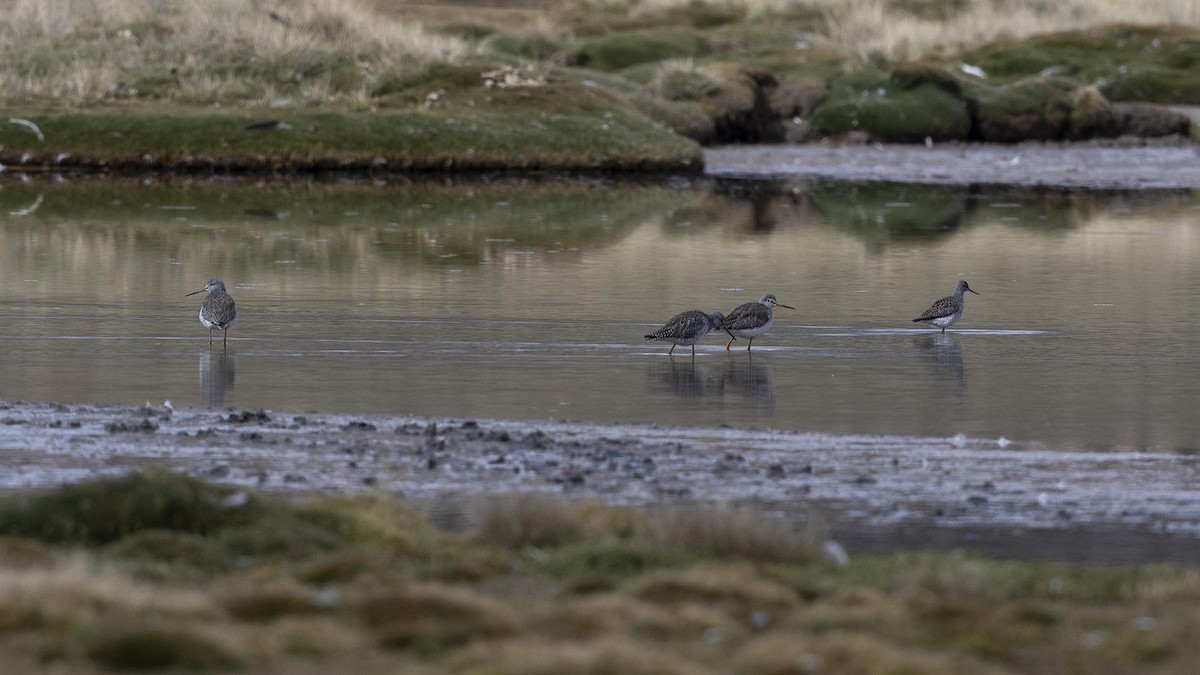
(76, 591)
(905, 29)
(214, 50)
(867, 28)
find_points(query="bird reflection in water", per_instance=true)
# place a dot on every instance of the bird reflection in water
(744, 377)
(217, 372)
(944, 351)
(750, 378)
(680, 377)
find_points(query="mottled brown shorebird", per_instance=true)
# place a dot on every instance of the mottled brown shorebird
(946, 311)
(218, 310)
(752, 319)
(686, 328)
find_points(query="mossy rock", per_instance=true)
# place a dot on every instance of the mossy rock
(102, 511)
(875, 103)
(622, 50)
(1035, 109)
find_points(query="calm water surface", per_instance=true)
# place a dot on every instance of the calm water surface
(529, 300)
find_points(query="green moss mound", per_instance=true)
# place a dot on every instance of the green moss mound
(622, 50)
(1129, 63)
(1034, 109)
(888, 110)
(104, 511)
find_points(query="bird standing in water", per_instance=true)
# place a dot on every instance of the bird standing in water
(686, 328)
(946, 311)
(218, 310)
(752, 319)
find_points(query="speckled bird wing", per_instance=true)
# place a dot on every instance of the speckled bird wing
(220, 309)
(944, 307)
(747, 316)
(682, 326)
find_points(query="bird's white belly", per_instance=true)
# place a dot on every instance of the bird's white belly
(753, 332)
(946, 321)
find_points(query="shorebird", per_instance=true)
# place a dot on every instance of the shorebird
(945, 312)
(217, 310)
(686, 328)
(752, 319)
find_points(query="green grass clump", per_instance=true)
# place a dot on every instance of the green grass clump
(103, 511)
(875, 103)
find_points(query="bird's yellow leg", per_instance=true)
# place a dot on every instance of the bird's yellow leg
(729, 344)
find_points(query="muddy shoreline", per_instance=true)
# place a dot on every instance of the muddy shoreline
(874, 492)
(1160, 165)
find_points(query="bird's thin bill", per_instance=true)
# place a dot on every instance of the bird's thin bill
(780, 304)
(195, 292)
(973, 291)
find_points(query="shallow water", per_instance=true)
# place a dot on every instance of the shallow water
(528, 300)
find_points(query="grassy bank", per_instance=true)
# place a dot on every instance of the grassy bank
(159, 572)
(611, 85)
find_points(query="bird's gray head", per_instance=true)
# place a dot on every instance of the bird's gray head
(214, 284)
(718, 321)
(770, 301)
(961, 287)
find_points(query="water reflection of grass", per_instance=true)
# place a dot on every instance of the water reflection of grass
(331, 224)
(163, 572)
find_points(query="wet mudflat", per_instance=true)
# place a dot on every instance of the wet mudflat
(875, 492)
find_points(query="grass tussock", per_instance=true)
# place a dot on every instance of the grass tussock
(370, 586)
(534, 657)
(734, 533)
(209, 52)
